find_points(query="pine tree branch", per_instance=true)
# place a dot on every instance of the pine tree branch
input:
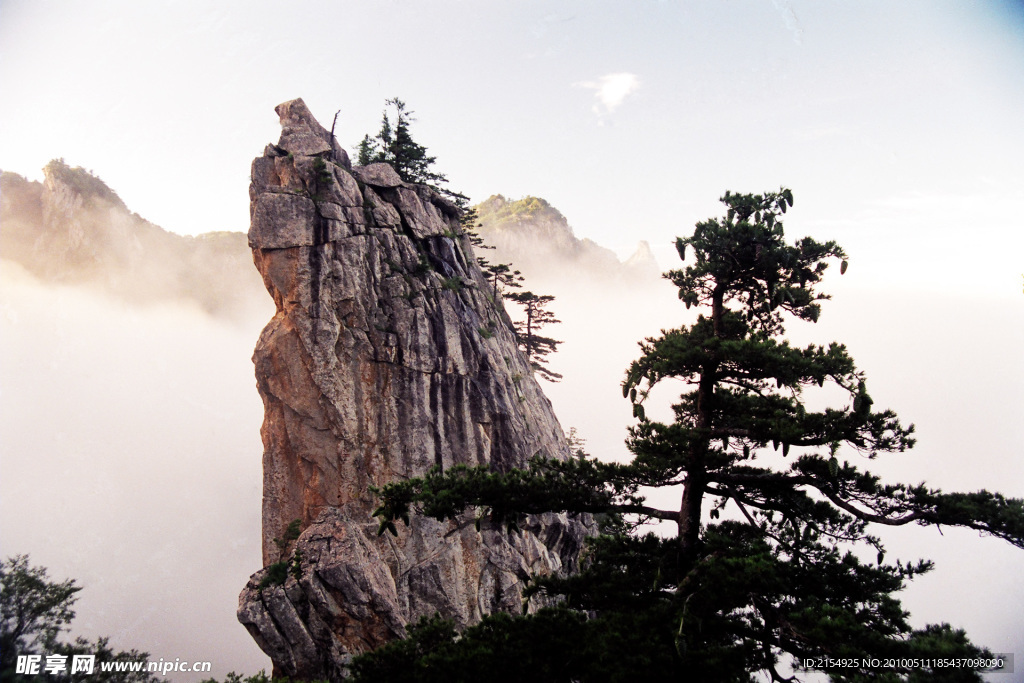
(892, 505)
(672, 516)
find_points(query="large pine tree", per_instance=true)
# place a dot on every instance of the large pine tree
(772, 564)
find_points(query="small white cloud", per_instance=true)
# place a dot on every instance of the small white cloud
(611, 90)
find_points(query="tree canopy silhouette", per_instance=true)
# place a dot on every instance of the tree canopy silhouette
(772, 566)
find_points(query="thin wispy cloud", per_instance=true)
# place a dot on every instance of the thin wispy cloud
(785, 8)
(611, 90)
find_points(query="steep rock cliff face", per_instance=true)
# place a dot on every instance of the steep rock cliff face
(386, 357)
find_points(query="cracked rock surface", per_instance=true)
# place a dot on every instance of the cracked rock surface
(386, 356)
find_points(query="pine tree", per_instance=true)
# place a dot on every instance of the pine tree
(772, 565)
(393, 144)
(502, 276)
(537, 316)
(367, 153)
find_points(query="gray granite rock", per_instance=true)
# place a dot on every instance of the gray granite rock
(378, 175)
(385, 358)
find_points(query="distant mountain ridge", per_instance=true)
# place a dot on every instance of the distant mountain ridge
(73, 229)
(538, 240)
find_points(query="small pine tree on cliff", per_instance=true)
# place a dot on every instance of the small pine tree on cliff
(772, 565)
(393, 144)
(537, 316)
(502, 276)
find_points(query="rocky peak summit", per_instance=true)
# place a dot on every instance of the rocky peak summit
(538, 239)
(74, 230)
(386, 357)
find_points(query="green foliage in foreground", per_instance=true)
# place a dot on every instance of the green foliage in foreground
(232, 677)
(563, 645)
(260, 677)
(551, 645)
(772, 562)
(34, 613)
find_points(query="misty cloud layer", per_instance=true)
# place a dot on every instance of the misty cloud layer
(131, 462)
(132, 457)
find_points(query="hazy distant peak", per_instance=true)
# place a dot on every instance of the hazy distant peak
(504, 222)
(642, 253)
(498, 209)
(79, 181)
(20, 197)
(539, 241)
(73, 229)
(642, 260)
(10, 179)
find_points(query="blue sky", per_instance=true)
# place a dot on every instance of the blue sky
(897, 126)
